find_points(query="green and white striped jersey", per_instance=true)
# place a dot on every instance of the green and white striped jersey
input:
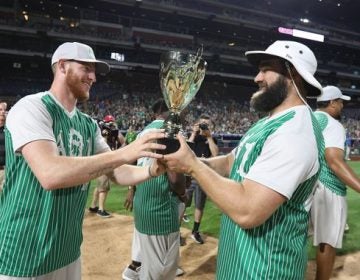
(41, 231)
(281, 153)
(155, 205)
(334, 137)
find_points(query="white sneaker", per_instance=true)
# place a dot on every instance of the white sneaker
(179, 272)
(130, 274)
(347, 228)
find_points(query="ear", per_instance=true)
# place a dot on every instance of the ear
(332, 103)
(61, 66)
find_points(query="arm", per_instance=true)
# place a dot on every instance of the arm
(54, 171)
(121, 139)
(177, 182)
(195, 131)
(214, 149)
(335, 159)
(249, 204)
(134, 175)
(129, 201)
(220, 164)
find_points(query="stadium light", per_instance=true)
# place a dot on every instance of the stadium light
(302, 34)
(304, 20)
(117, 56)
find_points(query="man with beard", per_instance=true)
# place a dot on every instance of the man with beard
(329, 209)
(264, 186)
(53, 151)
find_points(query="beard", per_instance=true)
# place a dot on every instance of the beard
(76, 86)
(267, 99)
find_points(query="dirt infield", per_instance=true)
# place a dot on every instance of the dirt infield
(107, 250)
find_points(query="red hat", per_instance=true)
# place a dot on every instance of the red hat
(109, 118)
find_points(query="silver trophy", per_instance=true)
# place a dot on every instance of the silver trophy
(181, 76)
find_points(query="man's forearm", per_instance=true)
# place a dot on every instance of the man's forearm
(131, 174)
(214, 149)
(220, 164)
(177, 182)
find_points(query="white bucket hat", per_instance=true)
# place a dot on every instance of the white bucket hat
(79, 52)
(299, 55)
(332, 93)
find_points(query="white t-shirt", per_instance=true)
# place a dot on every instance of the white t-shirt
(289, 156)
(29, 120)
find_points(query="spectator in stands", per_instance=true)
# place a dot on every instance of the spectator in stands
(347, 145)
(3, 113)
(130, 135)
(205, 146)
(115, 140)
(156, 217)
(329, 209)
(53, 150)
(264, 184)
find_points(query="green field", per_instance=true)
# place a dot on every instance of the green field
(211, 219)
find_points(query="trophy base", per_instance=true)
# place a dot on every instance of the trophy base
(172, 145)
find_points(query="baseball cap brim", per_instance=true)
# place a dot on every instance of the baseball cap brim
(255, 57)
(101, 67)
(345, 97)
(332, 93)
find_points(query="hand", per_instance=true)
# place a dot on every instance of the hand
(206, 133)
(157, 167)
(144, 146)
(195, 131)
(129, 201)
(104, 132)
(183, 160)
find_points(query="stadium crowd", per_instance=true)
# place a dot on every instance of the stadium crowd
(132, 110)
(231, 116)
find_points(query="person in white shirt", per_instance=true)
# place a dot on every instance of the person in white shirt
(329, 209)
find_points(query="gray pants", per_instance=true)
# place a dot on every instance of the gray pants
(70, 272)
(159, 255)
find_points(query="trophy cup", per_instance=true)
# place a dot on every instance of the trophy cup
(181, 76)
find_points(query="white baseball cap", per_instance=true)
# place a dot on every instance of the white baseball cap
(299, 55)
(332, 93)
(79, 52)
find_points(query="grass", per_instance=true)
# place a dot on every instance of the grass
(211, 219)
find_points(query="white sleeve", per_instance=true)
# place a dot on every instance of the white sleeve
(285, 161)
(28, 120)
(100, 143)
(334, 135)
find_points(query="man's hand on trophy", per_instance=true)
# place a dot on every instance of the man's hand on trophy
(183, 160)
(157, 167)
(144, 146)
